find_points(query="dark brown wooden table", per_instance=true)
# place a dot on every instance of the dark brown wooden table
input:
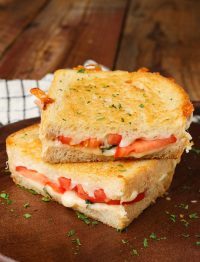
(37, 37)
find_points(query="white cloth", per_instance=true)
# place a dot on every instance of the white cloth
(16, 102)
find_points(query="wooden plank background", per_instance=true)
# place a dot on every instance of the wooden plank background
(40, 36)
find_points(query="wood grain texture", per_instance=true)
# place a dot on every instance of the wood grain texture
(164, 36)
(14, 17)
(43, 237)
(65, 33)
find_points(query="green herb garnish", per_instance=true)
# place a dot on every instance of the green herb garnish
(71, 233)
(184, 206)
(193, 216)
(141, 105)
(185, 235)
(81, 70)
(101, 118)
(153, 236)
(173, 218)
(83, 218)
(124, 241)
(4, 195)
(134, 252)
(27, 215)
(198, 243)
(26, 205)
(88, 202)
(185, 222)
(145, 243)
(46, 199)
(195, 150)
(103, 149)
(76, 241)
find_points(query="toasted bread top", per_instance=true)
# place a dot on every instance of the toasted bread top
(93, 104)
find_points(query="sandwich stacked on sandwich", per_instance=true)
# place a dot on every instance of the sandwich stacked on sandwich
(90, 118)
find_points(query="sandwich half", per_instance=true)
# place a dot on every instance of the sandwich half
(90, 115)
(112, 192)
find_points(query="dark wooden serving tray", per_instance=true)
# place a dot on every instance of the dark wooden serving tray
(43, 237)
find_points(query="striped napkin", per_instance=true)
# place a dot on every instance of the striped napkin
(16, 102)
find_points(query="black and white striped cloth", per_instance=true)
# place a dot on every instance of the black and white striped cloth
(16, 102)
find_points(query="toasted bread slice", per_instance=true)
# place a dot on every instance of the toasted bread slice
(117, 192)
(104, 116)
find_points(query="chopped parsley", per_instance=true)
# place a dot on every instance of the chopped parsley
(185, 235)
(46, 198)
(193, 216)
(26, 205)
(124, 241)
(122, 170)
(76, 241)
(4, 195)
(71, 233)
(198, 243)
(101, 118)
(85, 219)
(134, 252)
(27, 215)
(145, 243)
(185, 222)
(94, 222)
(153, 236)
(195, 150)
(141, 105)
(173, 218)
(88, 202)
(81, 70)
(184, 206)
(33, 192)
(103, 149)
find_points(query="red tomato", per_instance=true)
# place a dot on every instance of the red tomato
(141, 146)
(91, 143)
(81, 192)
(64, 139)
(65, 183)
(55, 187)
(138, 198)
(32, 174)
(114, 139)
(100, 196)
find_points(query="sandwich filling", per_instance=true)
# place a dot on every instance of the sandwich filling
(64, 185)
(113, 145)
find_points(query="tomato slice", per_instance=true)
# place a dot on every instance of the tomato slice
(42, 96)
(32, 174)
(100, 196)
(64, 139)
(138, 198)
(91, 143)
(55, 187)
(142, 145)
(114, 139)
(65, 183)
(81, 192)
